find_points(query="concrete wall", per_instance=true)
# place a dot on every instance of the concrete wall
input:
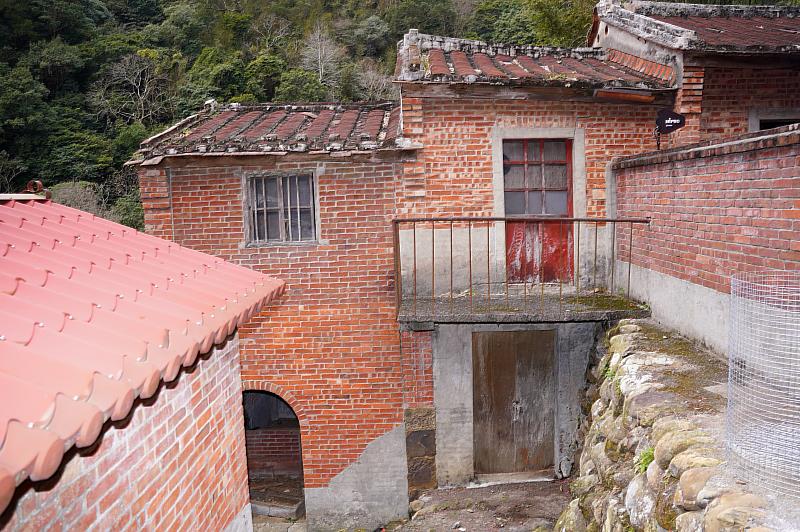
(716, 209)
(453, 393)
(370, 492)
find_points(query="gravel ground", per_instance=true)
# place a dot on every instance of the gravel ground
(512, 507)
(507, 507)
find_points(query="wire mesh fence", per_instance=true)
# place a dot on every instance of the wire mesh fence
(763, 419)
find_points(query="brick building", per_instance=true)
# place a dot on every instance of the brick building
(449, 253)
(119, 376)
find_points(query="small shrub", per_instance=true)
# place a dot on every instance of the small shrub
(644, 460)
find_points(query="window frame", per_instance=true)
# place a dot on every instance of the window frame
(567, 162)
(249, 184)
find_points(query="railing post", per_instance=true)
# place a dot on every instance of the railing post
(577, 260)
(398, 274)
(488, 269)
(451, 267)
(630, 260)
(594, 266)
(414, 242)
(433, 267)
(469, 236)
(613, 253)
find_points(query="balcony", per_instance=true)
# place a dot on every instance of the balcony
(515, 270)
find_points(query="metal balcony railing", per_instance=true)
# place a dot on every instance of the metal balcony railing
(514, 268)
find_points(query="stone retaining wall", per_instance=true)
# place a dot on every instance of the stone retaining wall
(653, 455)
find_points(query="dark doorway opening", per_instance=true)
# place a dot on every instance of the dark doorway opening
(274, 457)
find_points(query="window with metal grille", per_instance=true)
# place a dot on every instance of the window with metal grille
(537, 175)
(281, 208)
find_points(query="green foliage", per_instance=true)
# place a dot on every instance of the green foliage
(262, 75)
(299, 85)
(82, 82)
(644, 460)
(22, 106)
(561, 22)
(437, 17)
(608, 373)
(128, 210)
(81, 195)
(371, 36)
(54, 62)
(516, 26)
(348, 89)
(126, 141)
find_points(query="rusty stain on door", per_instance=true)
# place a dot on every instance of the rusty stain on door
(513, 401)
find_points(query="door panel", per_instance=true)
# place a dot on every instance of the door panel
(494, 384)
(539, 252)
(535, 386)
(513, 401)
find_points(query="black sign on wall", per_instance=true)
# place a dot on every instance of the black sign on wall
(668, 121)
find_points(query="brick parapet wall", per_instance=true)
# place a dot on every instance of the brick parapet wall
(331, 348)
(716, 209)
(273, 450)
(177, 462)
(454, 167)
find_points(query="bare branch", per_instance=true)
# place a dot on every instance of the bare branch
(133, 90)
(375, 85)
(10, 168)
(322, 55)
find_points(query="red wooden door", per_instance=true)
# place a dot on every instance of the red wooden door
(537, 176)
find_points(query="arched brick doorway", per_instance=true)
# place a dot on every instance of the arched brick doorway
(274, 456)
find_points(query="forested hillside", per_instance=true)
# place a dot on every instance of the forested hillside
(82, 82)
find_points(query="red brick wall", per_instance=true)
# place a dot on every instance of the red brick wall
(418, 368)
(178, 462)
(452, 174)
(273, 450)
(730, 94)
(715, 210)
(331, 348)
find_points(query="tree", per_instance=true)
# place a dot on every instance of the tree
(375, 85)
(81, 195)
(221, 73)
(561, 23)
(262, 75)
(372, 36)
(321, 54)
(504, 21)
(437, 17)
(515, 26)
(298, 85)
(10, 170)
(133, 90)
(22, 106)
(270, 31)
(54, 62)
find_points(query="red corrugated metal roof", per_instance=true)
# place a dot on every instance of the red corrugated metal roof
(93, 315)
